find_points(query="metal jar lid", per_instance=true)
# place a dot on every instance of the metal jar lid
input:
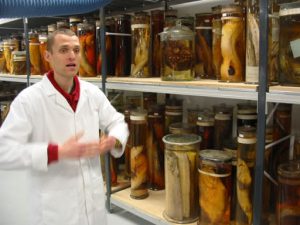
(215, 155)
(182, 142)
(182, 128)
(138, 115)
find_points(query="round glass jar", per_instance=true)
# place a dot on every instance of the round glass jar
(288, 207)
(246, 115)
(205, 124)
(180, 175)
(233, 44)
(34, 53)
(173, 114)
(140, 37)
(182, 128)
(138, 155)
(177, 53)
(203, 46)
(18, 66)
(214, 187)
(9, 45)
(43, 38)
(216, 41)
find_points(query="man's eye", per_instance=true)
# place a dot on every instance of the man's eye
(76, 50)
(63, 50)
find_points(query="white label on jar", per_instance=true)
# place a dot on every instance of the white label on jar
(252, 74)
(137, 26)
(295, 46)
(246, 140)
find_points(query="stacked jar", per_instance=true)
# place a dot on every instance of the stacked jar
(205, 126)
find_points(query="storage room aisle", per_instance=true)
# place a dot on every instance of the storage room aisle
(14, 203)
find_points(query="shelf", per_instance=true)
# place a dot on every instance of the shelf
(150, 209)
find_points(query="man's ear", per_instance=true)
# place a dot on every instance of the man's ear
(47, 56)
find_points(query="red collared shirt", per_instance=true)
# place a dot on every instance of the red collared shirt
(72, 99)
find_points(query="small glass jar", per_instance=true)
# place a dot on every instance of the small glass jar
(73, 22)
(289, 53)
(138, 155)
(216, 41)
(182, 128)
(18, 66)
(173, 114)
(157, 26)
(246, 115)
(203, 46)
(34, 53)
(177, 53)
(140, 31)
(206, 128)
(214, 187)
(245, 175)
(155, 147)
(181, 172)
(233, 44)
(43, 38)
(170, 18)
(51, 28)
(288, 207)
(86, 35)
(122, 45)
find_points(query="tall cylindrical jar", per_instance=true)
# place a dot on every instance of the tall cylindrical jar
(205, 125)
(138, 155)
(245, 175)
(233, 44)
(203, 46)
(34, 52)
(181, 177)
(214, 187)
(86, 35)
(18, 63)
(140, 31)
(155, 148)
(288, 207)
(128, 145)
(43, 39)
(173, 114)
(216, 41)
(122, 45)
(246, 115)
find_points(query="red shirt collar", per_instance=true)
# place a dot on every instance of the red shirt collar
(72, 97)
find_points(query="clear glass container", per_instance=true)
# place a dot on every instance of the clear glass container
(288, 207)
(173, 113)
(155, 147)
(216, 41)
(182, 128)
(122, 45)
(9, 45)
(34, 53)
(73, 22)
(180, 174)
(214, 187)
(170, 18)
(205, 125)
(245, 175)
(233, 44)
(177, 53)
(138, 155)
(43, 38)
(246, 115)
(203, 46)
(289, 53)
(128, 144)
(86, 35)
(188, 21)
(140, 31)
(18, 65)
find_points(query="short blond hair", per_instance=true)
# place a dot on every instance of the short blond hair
(51, 37)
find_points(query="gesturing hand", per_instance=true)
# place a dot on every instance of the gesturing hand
(72, 148)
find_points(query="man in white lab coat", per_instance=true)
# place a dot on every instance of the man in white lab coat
(52, 129)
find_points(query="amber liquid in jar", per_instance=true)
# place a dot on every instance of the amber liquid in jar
(73, 21)
(43, 48)
(128, 145)
(34, 52)
(206, 129)
(216, 41)
(173, 114)
(18, 65)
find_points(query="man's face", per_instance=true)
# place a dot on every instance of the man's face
(65, 55)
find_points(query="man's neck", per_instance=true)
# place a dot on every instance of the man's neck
(65, 83)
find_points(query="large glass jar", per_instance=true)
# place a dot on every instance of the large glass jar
(157, 26)
(214, 187)
(288, 207)
(138, 155)
(173, 113)
(43, 38)
(122, 45)
(140, 36)
(205, 126)
(289, 53)
(252, 41)
(203, 46)
(155, 148)
(245, 175)
(216, 41)
(34, 53)
(86, 34)
(233, 44)
(181, 177)
(177, 53)
(18, 65)
(9, 45)
(2, 59)
(182, 128)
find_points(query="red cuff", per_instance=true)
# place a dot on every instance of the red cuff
(52, 153)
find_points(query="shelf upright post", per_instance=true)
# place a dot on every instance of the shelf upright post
(103, 75)
(261, 125)
(25, 22)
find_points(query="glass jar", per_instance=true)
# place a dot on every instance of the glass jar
(170, 18)
(18, 66)
(192, 115)
(187, 21)
(214, 187)
(289, 53)
(173, 113)
(245, 175)
(122, 45)
(181, 172)
(182, 128)
(157, 26)
(73, 22)
(9, 45)
(86, 35)
(216, 41)
(43, 38)
(233, 44)
(203, 46)
(138, 155)
(177, 53)
(288, 207)
(296, 155)
(34, 53)
(128, 144)
(205, 126)
(51, 28)
(149, 99)
(246, 115)
(140, 31)
(155, 148)
(2, 59)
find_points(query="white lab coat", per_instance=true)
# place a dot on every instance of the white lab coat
(68, 192)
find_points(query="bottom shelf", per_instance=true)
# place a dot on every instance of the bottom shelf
(150, 209)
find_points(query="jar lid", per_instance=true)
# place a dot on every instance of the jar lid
(19, 55)
(245, 108)
(290, 169)
(181, 139)
(232, 8)
(289, 9)
(215, 155)
(138, 115)
(178, 32)
(43, 38)
(182, 128)
(246, 117)
(75, 19)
